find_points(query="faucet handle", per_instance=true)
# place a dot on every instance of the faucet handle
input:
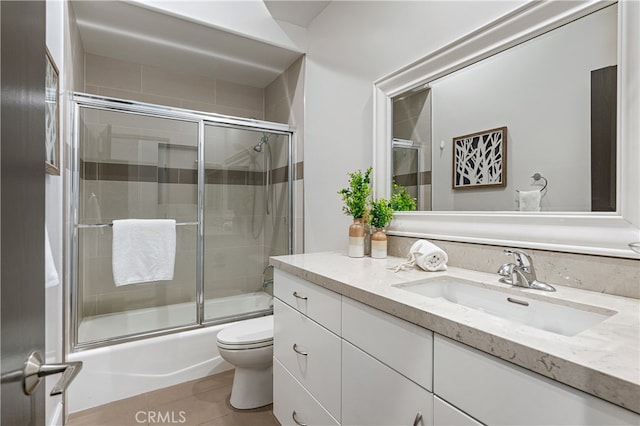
(506, 270)
(522, 259)
(508, 274)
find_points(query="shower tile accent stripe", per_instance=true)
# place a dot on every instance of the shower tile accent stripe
(410, 179)
(90, 170)
(298, 171)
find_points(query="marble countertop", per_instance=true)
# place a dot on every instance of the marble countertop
(603, 360)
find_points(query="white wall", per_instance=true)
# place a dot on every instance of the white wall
(350, 45)
(541, 91)
(249, 18)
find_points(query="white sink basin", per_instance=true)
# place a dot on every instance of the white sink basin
(553, 317)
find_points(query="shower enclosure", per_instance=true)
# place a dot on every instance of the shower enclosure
(227, 183)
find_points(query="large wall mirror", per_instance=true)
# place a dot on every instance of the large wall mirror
(559, 80)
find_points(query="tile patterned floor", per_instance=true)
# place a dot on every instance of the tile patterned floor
(195, 403)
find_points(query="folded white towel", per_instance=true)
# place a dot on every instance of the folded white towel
(427, 256)
(143, 250)
(529, 201)
(51, 278)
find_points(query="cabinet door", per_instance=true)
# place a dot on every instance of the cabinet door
(319, 304)
(374, 394)
(497, 392)
(292, 404)
(405, 347)
(448, 415)
(310, 353)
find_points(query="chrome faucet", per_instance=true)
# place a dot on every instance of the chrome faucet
(521, 273)
(266, 281)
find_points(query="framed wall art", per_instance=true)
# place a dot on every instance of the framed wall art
(52, 117)
(480, 159)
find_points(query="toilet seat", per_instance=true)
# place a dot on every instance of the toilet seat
(250, 334)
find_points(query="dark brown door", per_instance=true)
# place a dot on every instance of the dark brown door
(22, 122)
(604, 104)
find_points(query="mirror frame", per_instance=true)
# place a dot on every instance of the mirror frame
(605, 234)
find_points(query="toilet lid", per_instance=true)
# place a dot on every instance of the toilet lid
(248, 332)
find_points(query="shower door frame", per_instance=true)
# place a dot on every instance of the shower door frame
(202, 119)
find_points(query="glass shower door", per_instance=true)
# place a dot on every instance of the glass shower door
(246, 218)
(133, 166)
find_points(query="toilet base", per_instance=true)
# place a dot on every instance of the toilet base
(252, 388)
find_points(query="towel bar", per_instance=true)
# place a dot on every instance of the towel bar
(108, 225)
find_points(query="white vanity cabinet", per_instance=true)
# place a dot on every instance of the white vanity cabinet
(497, 392)
(386, 369)
(445, 414)
(338, 361)
(293, 404)
(307, 352)
(405, 347)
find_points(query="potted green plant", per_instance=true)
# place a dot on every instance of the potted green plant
(381, 214)
(400, 200)
(355, 198)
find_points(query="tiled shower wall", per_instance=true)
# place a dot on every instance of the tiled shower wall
(233, 263)
(128, 167)
(284, 103)
(411, 120)
(144, 83)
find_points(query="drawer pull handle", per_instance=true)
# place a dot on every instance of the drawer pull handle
(418, 419)
(295, 294)
(298, 351)
(293, 416)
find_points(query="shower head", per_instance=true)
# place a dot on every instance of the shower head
(264, 139)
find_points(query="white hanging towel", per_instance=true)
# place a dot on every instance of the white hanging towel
(143, 250)
(51, 278)
(529, 201)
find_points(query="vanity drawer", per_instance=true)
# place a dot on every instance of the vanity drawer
(405, 347)
(295, 335)
(497, 392)
(374, 394)
(316, 302)
(290, 397)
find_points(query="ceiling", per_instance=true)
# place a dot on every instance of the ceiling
(300, 13)
(131, 33)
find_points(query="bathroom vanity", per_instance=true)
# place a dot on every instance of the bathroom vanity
(356, 343)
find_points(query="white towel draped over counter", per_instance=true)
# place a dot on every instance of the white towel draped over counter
(143, 250)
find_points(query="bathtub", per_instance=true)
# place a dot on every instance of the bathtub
(136, 321)
(127, 369)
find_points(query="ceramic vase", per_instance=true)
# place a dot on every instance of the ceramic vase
(356, 239)
(367, 239)
(379, 244)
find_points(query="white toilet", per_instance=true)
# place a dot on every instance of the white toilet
(248, 346)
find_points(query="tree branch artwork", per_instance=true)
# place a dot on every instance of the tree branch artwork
(480, 159)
